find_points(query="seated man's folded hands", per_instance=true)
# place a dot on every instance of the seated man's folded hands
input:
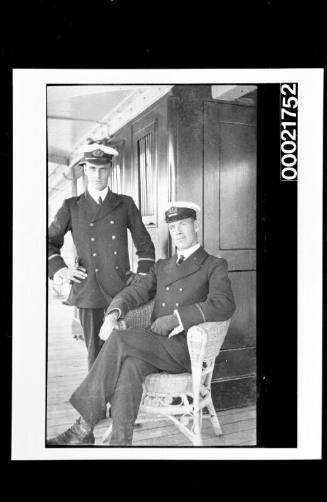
(165, 324)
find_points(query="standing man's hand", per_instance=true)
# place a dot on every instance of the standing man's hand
(73, 274)
(110, 323)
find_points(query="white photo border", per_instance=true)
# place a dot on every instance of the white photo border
(29, 258)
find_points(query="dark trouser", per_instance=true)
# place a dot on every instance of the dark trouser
(91, 321)
(116, 376)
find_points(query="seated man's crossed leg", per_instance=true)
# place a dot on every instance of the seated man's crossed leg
(116, 377)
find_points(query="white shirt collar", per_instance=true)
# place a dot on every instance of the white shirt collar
(187, 252)
(95, 194)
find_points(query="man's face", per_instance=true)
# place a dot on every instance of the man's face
(97, 175)
(184, 233)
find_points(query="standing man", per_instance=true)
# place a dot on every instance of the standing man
(98, 220)
(190, 288)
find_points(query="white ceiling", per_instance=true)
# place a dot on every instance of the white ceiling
(75, 112)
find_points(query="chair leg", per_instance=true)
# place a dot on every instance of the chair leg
(106, 435)
(197, 438)
(214, 418)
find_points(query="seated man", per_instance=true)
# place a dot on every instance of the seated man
(190, 288)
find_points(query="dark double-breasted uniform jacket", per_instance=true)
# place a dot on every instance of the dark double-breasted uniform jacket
(101, 241)
(199, 289)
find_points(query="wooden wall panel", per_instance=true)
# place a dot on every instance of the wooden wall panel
(229, 231)
(235, 363)
(242, 330)
(189, 180)
(211, 157)
(235, 114)
(239, 259)
(237, 187)
(234, 393)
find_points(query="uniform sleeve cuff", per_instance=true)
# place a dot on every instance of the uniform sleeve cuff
(114, 310)
(55, 263)
(144, 265)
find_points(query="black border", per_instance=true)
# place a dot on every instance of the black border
(277, 283)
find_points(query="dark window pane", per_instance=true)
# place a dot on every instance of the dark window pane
(146, 176)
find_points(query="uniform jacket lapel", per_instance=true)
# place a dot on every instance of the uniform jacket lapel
(92, 211)
(111, 201)
(88, 206)
(173, 272)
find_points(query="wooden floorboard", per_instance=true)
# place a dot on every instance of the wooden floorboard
(67, 366)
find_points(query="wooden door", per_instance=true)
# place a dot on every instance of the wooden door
(229, 230)
(216, 168)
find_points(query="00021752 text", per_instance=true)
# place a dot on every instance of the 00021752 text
(288, 134)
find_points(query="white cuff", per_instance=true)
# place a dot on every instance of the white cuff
(115, 310)
(178, 328)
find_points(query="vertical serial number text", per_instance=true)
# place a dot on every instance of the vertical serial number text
(288, 132)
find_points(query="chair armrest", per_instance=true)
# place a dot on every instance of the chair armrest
(139, 317)
(205, 340)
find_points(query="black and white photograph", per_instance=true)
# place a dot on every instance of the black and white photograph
(169, 317)
(162, 157)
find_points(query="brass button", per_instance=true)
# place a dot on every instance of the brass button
(177, 304)
(112, 222)
(94, 254)
(97, 270)
(181, 289)
(92, 238)
(91, 224)
(113, 237)
(116, 267)
(167, 288)
(115, 252)
(163, 304)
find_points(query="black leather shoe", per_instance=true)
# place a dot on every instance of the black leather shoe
(75, 435)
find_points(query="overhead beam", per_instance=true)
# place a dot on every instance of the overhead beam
(231, 92)
(74, 119)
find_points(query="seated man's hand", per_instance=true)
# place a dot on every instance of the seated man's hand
(164, 325)
(109, 324)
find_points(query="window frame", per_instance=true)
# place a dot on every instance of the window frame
(151, 128)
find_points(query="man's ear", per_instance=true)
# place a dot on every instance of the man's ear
(196, 226)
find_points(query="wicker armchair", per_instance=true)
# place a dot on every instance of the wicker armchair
(182, 397)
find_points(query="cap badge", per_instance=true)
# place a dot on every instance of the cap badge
(172, 211)
(98, 153)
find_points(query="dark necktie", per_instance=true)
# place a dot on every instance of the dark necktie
(180, 260)
(99, 201)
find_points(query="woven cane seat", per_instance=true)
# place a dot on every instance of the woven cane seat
(167, 383)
